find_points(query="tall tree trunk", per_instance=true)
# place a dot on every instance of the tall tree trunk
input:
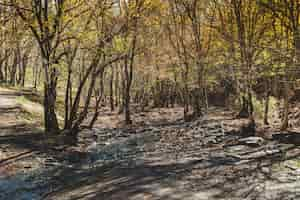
(111, 90)
(99, 98)
(13, 71)
(36, 73)
(285, 121)
(68, 95)
(23, 69)
(1, 72)
(185, 95)
(127, 93)
(117, 87)
(6, 70)
(266, 111)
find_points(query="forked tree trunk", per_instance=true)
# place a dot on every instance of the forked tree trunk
(244, 111)
(83, 114)
(51, 123)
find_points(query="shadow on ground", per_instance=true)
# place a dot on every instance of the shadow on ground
(198, 179)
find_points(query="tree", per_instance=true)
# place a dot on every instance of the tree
(288, 15)
(244, 26)
(45, 20)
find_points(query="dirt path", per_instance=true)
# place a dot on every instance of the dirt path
(17, 136)
(8, 104)
(176, 161)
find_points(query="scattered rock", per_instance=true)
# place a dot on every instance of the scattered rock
(266, 170)
(198, 149)
(252, 141)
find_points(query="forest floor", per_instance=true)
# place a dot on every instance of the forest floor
(160, 157)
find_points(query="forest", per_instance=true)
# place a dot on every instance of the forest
(149, 99)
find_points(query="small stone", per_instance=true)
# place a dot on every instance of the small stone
(252, 141)
(265, 170)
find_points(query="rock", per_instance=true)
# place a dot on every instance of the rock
(265, 170)
(237, 148)
(257, 154)
(251, 141)
(292, 165)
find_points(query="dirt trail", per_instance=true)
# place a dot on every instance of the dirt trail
(8, 103)
(176, 161)
(16, 136)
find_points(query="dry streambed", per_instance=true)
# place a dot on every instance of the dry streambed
(196, 160)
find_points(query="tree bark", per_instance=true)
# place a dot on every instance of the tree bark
(266, 111)
(1, 72)
(117, 87)
(285, 121)
(99, 98)
(128, 80)
(68, 97)
(13, 70)
(50, 118)
(111, 95)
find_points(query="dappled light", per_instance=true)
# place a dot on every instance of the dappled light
(149, 99)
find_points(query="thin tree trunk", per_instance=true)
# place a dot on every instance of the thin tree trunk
(24, 67)
(266, 112)
(68, 95)
(36, 71)
(99, 98)
(111, 95)
(186, 95)
(1, 72)
(6, 70)
(13, 71)
(117, 87)
(285, 122)
(127, 93)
